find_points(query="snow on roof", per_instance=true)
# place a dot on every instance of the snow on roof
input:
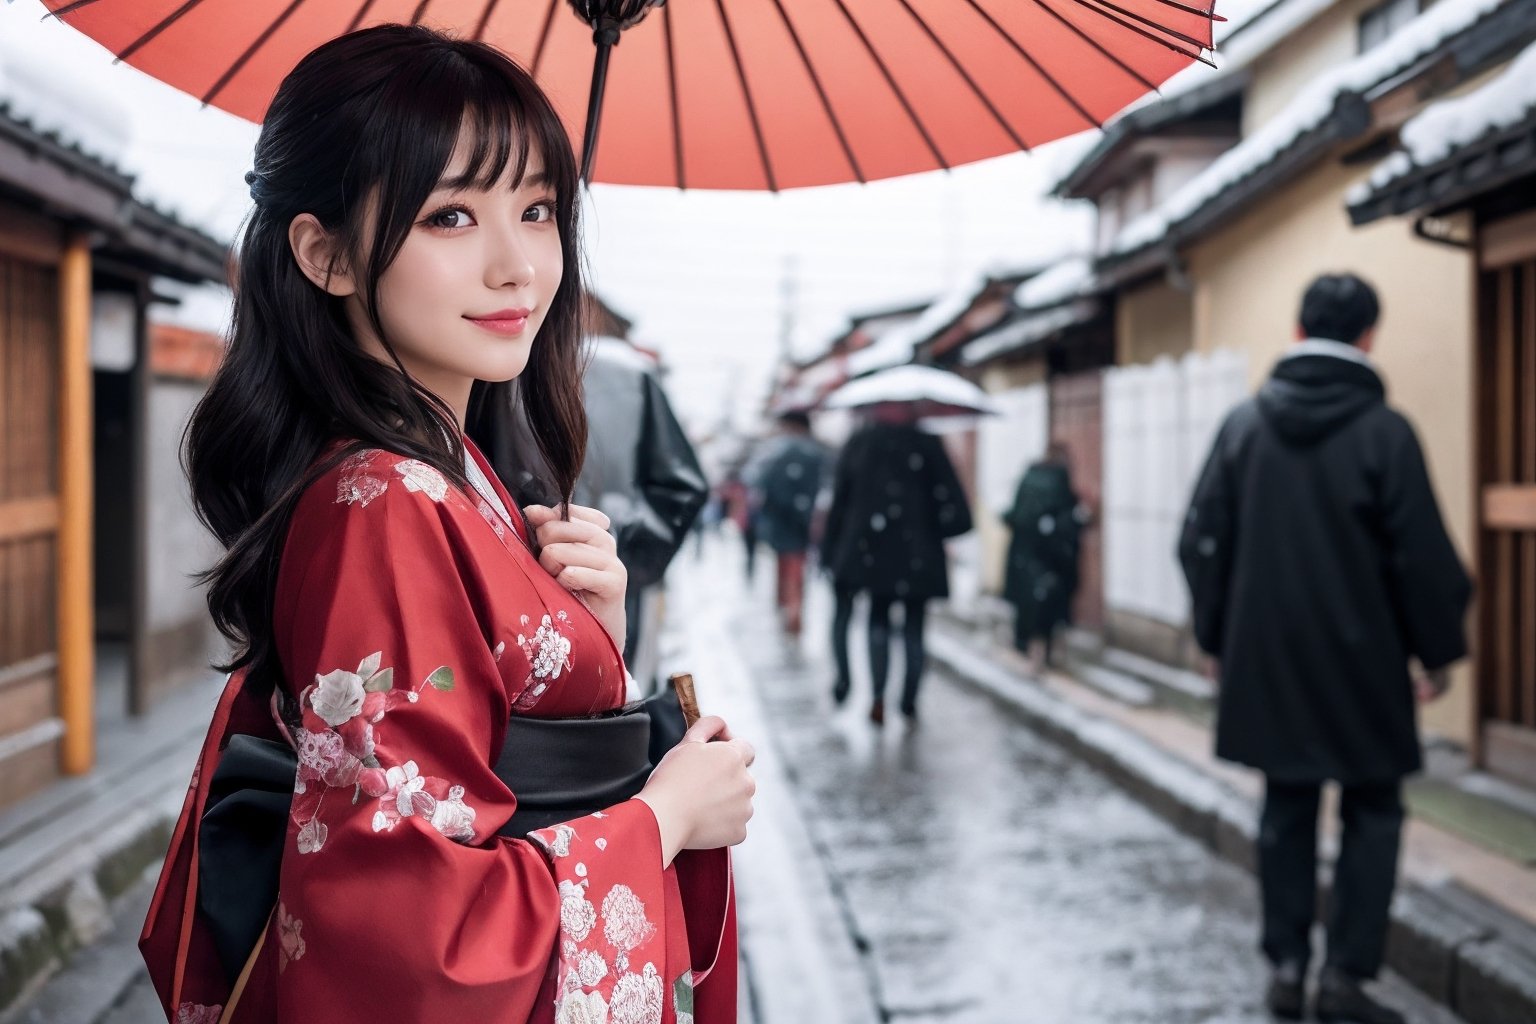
(1251, 30)
(1442, 127)
(34, 91)
(183, 158)
(1064, 280)
(896, 345)
(1029, 328)
(202, 307)
(1309, 109)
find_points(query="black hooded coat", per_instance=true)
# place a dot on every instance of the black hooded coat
(1319, 565)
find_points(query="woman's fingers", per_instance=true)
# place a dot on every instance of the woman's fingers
(580, 579)
(555, 557)
(708, 728)
(574, 532)
(748, 752)
(538, 515)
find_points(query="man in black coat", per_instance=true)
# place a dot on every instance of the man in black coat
(1320, 571)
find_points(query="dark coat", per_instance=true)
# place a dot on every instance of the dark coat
(1318, 566)
(1042, 554)
(895, 500)
(789, 476)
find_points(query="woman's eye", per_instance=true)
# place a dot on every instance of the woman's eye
(455, 217)
(540, 213)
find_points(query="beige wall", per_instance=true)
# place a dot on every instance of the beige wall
(1324, 44)
(1249, 280)
(992, 534)
(1153, 320)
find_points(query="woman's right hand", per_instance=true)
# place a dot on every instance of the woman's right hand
(701, 792)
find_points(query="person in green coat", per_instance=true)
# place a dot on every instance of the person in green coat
(1046, 521)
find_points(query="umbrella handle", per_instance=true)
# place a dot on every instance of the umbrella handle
(605, 36)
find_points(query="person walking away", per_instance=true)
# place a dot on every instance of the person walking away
(789, 478)
(895, 500)
(1320, 569)
(1042, 570)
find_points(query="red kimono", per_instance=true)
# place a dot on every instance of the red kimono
(411, 620)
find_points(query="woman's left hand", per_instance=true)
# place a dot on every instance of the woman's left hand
(583, 558)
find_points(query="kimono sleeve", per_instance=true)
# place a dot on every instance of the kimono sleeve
(398, 900)
(1207, 545)
(1430, 586)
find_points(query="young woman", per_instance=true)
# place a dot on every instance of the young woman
(399, 622)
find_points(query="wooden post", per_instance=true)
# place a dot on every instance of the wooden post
(76, 626)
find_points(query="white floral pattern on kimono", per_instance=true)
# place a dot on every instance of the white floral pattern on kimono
(290, 941)
(548, 651)
(342, 756)
(197, 1013)
(602, 973)
(360, 481)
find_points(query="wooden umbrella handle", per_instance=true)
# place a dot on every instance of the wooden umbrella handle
(682, 684)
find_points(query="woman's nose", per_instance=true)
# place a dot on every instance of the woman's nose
(508, 261)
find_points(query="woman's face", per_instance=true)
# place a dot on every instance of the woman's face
(472, 283)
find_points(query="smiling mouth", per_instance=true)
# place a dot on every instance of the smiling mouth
(506, 323)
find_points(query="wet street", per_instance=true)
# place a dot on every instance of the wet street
(980, 873)
(965, 872)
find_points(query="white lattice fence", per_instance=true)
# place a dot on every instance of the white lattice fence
(1008, 442)
(1158, 423)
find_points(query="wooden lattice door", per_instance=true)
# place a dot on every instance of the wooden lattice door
(1506, 450)
(29, 522)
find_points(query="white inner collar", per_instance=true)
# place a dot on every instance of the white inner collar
(1329, 347)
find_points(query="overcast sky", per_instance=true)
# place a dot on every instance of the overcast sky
(708, 277)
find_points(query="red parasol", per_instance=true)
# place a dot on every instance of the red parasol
(725, 94)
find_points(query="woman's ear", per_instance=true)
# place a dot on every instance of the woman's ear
(314, 250)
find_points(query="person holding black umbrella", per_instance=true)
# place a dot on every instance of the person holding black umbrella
(895, 500)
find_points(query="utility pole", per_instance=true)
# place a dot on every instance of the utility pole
(789, 297)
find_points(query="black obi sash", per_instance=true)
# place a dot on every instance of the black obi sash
(560, 769)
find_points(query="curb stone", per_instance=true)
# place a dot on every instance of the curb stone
(70, 909)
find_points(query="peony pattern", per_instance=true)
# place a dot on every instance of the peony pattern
(197, 1013)
(342, 756)
(637, 998)
(624, 923)
(577, 915)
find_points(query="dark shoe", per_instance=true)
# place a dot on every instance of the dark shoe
(909, 709)
(1287, 995)
(877, 713)
(1340, 997)
(840, 692)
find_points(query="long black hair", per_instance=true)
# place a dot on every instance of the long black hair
(359, 134)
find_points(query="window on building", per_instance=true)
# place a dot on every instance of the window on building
(1378, 23)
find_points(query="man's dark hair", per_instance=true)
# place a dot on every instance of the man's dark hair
(1339, 307)
(797, 420)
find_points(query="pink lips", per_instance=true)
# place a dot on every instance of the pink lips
(503, 321)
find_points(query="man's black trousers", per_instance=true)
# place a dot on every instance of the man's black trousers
(1363, 877)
